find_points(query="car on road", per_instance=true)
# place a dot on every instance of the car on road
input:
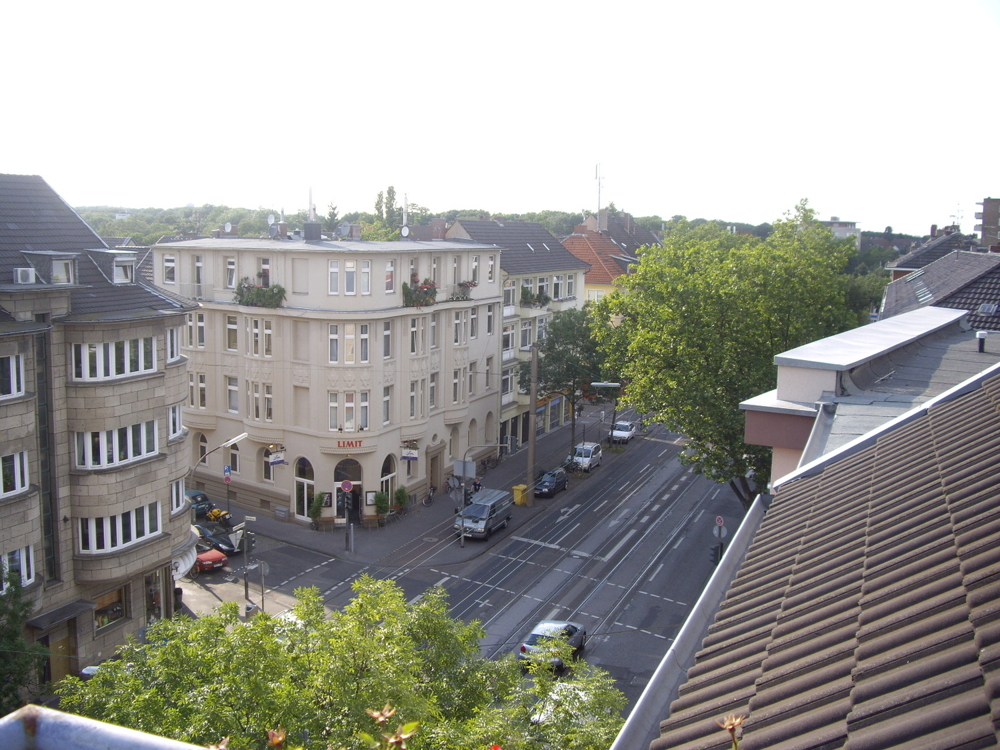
(208, 559)
(573, 633)
(219, 537)
(586, 456)
(623, 432)
(199, 501)
(551, 482)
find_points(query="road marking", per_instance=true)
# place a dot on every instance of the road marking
(535, 541)
(568, 532)
(580, 553)
(674, 487)
(618, 546)
(553, 613)
(654, 509)
(658, 569)
(644, 519)
(603, 503)
(678, 543)
(443, 581)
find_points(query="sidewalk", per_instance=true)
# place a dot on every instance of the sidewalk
(371, 545)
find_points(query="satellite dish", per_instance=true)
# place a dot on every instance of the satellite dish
(405, 231)
(229, 227)
(270, 218)
(272, 230)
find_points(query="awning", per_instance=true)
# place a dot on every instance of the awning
(55, 616)
(182, 556)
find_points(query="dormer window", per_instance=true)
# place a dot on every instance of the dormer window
(124, 271)
(62, 272)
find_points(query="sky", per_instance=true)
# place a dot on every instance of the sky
(879, 112)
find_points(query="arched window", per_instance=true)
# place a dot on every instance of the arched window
(202, 449)
(234, 459)
(387, 480)
(305, 487)
(266, 470)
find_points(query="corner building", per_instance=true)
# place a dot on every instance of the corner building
(93, 454)
(353, 384)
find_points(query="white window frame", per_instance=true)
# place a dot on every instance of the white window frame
(175, 421)
(363, 343)
(432, 390)
(386, 404)
(105, 534)
(176, 495)
(15, 477)
(363, 410)
(474, 322)
(100, 449)
(114, 359)
(334, 345)
(390, 277)
(232, 394)
(366, 277)
(333, 277)
(333, 410)
(25, 557)
(173, 344)
(230, 273)
(232, 333)
(169, 269)
(350, 277)
(124, 271)
(11, 376)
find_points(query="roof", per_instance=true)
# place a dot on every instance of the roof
(607, 260)
(36, 223)
(933, 249)
(864, 613)
(941, 280)
(622, 229)
(528, 247)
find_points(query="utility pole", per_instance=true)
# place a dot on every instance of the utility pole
(530, 484)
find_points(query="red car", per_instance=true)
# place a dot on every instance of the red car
(208, 559)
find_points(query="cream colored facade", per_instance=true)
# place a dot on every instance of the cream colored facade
(344, 380)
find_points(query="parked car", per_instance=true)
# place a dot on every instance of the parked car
(586, 456)
(551, 482)
(199, 501)
(208, 559)
(623, 432)
(575, 635)
(219, 537)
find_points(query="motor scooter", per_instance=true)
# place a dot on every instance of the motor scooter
(220, 515)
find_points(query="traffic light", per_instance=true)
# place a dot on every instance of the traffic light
(716, 553)
(249, 541)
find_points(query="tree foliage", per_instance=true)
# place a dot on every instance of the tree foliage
(22, 663)
(696, 328)
(199, 680)
(569, 359)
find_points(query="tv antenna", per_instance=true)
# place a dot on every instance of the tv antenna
(599, 177)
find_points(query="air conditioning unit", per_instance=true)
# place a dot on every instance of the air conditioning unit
(24, 275)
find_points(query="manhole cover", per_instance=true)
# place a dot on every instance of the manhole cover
(430, 539)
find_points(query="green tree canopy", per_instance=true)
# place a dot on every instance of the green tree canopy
(695, 330)
(22, 663)
(199, 680)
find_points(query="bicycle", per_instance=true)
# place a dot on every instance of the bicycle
(429, 500)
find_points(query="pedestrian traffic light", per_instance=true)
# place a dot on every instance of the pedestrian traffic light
(716, 553)
(249, 541)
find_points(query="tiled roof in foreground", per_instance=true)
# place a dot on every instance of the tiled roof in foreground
(866, 613)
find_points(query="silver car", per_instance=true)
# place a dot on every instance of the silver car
(573, 633)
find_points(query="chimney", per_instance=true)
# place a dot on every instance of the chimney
(283, 229)
(933, 230)
(438, 228)
(355, 231)
(311, 230)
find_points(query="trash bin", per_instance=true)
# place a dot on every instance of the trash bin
(520, 494)
(250, 610)
(178, 597)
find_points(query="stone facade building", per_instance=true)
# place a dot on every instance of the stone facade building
(94, 454)
(353, 366)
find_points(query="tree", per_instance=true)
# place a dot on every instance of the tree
(198, 680)
(330, 221)
(391, 212)
(695, 331)
(23, 661)
(380, 206)
(569, 360)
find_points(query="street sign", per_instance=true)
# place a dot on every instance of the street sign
(250, 518)
(347, 485)
(227, 479)
(719, 532)
(227, 473)
(720, 521)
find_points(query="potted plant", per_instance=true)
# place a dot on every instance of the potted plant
(381, 506)
(316, 511)
(402, 498)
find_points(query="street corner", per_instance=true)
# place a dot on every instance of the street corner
(209, 591)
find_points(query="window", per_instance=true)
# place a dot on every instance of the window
(455, 384)
(507, 380)
(472, 378)
(390, 276)
(458, 326)
(13, 473)
(259, 337)
(541, 326)
(334, 342)
(124, 271)
(508, 339)
(386, 340)
(268, 402)
(349, 412)
(233, 394)
(595, 295)
(432, 397)
(234, 459)
(62, 272)
(176, 495)
(491, 262)
(334, 274)
(267, 338)
(363, 411)
(266, 470)
(557, 286)
(20, 560)
(413, 399)
(543, 286)
(334, 411)
(175, 424)
(508, 293)
(202, 391)
(413, 335)
(386, 403)
(197, 274)
(434, 330)
(489, 320)
(525, 333)
(570, 284)
(363, 342)
(350, 276)
(349, 342)
(102, 448)
(230, 273)
(366, 277)
(107, 533)
(110, 608)
(264, 272)
(169, 269)
(173, 344)
(456, 269)
(475, 269)
(11, 376)
(434, 270)
(528, 284)
(489, 370)
(196, 330)
(474, 323)
(231, 338)
(202, 449)
(114, 359)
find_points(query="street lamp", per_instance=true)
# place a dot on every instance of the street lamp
(231, 441)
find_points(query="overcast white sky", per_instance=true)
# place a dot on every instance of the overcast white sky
(879, 112)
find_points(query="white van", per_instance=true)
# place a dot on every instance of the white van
(587, 455)
(490, 510)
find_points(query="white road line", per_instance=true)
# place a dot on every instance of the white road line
(535, 541)
(553, 613)
(644, 519)
(678, 543)
(603, 503)
(569, 531)
(658, 569)
(442, 581)
(654, 509)
(618, 546)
